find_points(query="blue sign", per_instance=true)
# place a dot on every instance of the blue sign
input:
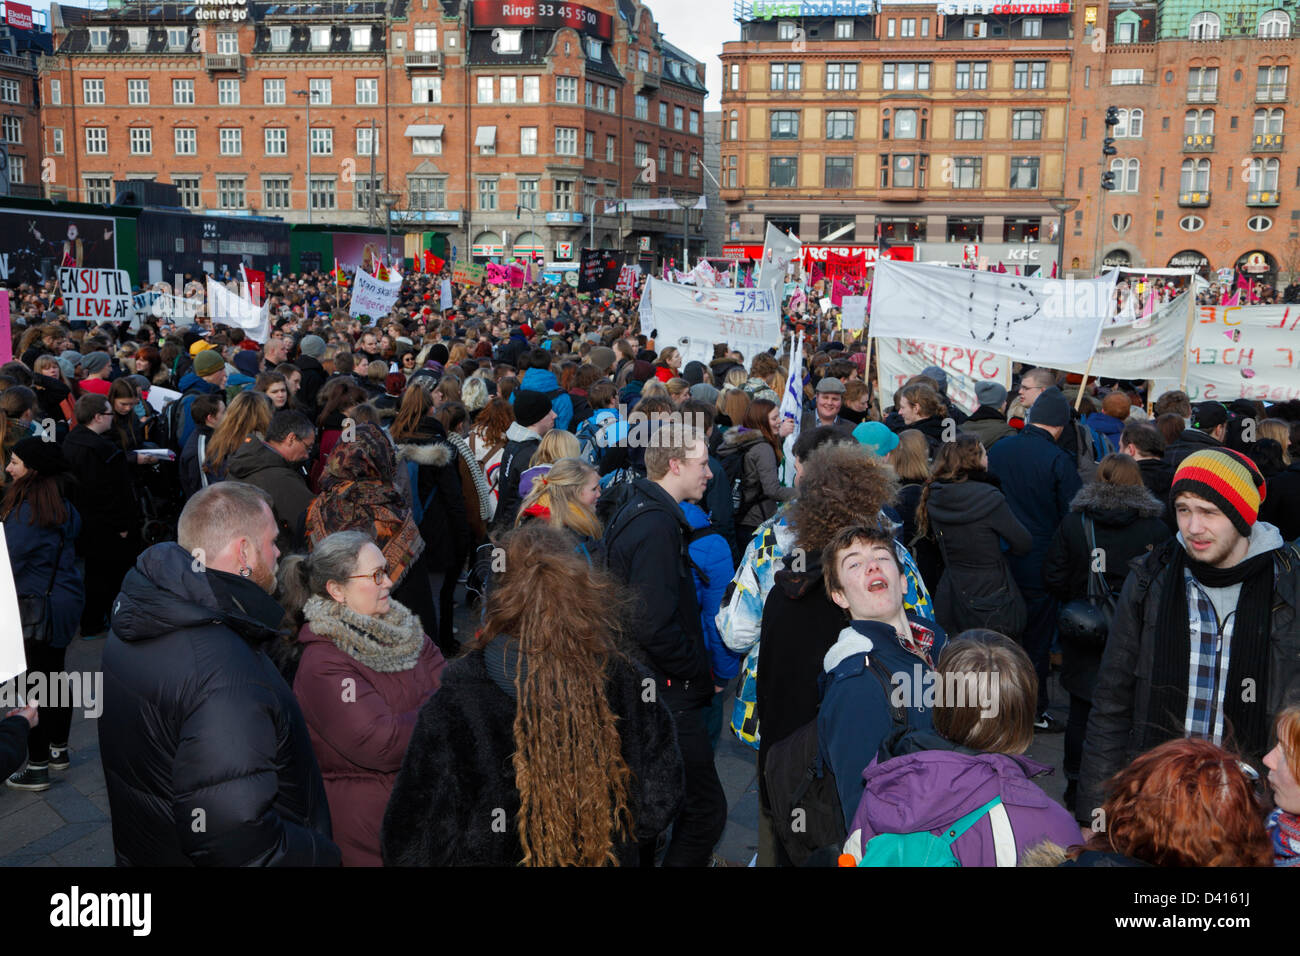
(570, 217)
(427, 215)
(453, 253)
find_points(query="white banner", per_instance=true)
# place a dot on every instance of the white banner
(853, 309)
(779, 250)
(226, 308)
(96, 295)
(692, 320)
(900, 359)
(1147, 347)
(613, 206)
(1051, 322)
(1241, 352)
(13, 658)
(372, 296)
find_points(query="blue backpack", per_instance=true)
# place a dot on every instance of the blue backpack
(418, 508)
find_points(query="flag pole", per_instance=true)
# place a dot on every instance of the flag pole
(1187, 334)
(1078, 399)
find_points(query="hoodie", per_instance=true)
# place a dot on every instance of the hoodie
(1263, 537)
(544, 381)
(712, 569)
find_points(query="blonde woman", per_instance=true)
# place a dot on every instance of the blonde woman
(247, 418)
(565, 497)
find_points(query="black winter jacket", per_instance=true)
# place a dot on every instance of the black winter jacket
(1128, 523)
(258, 464)
(206, 754)
(646, 548)
(1121, 725)
(313, 377)
(521, 445)
(445, 529)
(1189, 442)
(1281, 506)
(457, 775)
(103, 494)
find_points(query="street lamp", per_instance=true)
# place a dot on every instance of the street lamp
(532, 215)
(307, 93)
(389, 201)
(685, 202)
(1062, 206)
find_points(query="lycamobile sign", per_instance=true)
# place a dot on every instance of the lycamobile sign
(861, 8)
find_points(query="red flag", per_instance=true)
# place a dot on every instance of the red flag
(432, 263)
(417, 263)
(256, 280)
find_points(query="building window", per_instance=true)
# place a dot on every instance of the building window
(610, 147)
(361, 38)
(367, 141)
(1130, 124)
(427, 192)
(533, 89)
(92, 92)
(322, 91)
(785, 30)
(137, 92)
(1263, 175)
(227, 44)
(967, 172)
(509, 89)
(965, 228)
(1203, 84)
(663, 159)
(99, 40)
(56, 137)
(694, 126)
(566, 89)
(426, 89)
(1271, 83)
(528, 193)
(426, 145)
(906, 76)
(528, 140)
(729, 171)
(566, 141)
(426, 40)
(640, 155)
(1024, 172)
(589, 145)
(1191, 223)
(365, 190)
(1201, 122)
(677, 162)
(1259, 224)
(322, 141)
(188, 186)
(485, 89)
(228, 92)
(17, 170)
(781, 172)
(275, 192)
(1126, 77)
(735, 76)
(564, 195)
(891, 29)
(232, 141)
(908, 27)
(975, 29)
(972, 75)
(320, 38)
(273, 92)
(56, 92)
(678, 117)
(1125, 31)
(368, 92)
(839, 172)
(841, 76)
(786, 76)
(323, 194)
(1195, 176)
(1028, 124)
(844, 29)
(784, 124)
(1204, 26)
(276, 141)
(642, 107)
(1275, 23)
(12, 127)
(1030, 75)
(595, 49)
(280, 37)
(733, 126)
(968, 124)
(230, 192)
(1126, 174)
(1267, 122)
(595, 95)
(840, 124)
(97, 140)
(178, 39)
(185, 139)
(97, 189)
(1021, 229)
(663, 114)
(182, 92)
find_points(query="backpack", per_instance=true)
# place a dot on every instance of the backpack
(801, 788)
(925, 849)
(733, 466)
(1093, 447)
(591, 439)
(175, 418)
(419, 508)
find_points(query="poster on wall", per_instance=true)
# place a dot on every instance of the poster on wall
(35, 245)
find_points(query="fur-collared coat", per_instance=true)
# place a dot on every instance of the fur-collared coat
(1128, 523)
(455, 802)
(444, 526)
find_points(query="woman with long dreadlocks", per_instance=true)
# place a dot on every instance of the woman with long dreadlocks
(539, 748)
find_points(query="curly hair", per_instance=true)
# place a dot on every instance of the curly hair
(842, 485)
(569, 769)
(1184, 803)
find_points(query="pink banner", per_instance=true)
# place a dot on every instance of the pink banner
(516, 277)
(497, 274)
(6, 337)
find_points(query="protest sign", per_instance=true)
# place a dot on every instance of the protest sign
(96, 295)
(1250, 352)
(627, 277)
(373, 296)
(444, 295)
(598, 269)
(13, 659)
(1049, 322)
(898, 359)
(692, 320)
(468, 273)
(854, 312)
(1146, 347)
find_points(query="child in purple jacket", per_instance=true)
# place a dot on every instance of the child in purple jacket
(983, 693)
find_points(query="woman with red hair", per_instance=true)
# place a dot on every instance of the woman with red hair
(1283, 763)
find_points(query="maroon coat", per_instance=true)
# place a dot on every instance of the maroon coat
(360, 742)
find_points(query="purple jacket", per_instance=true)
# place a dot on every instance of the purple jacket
(931, 789)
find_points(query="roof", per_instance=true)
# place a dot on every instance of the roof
(605, 65)
(679, 67)
(534, 45)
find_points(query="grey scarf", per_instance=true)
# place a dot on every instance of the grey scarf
(386, 644)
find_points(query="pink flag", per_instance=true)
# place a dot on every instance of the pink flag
(1053, 270)
(1017, 268)
(749, 278)
(1150, 307)
(1001, 267)
(816, 274)
(1223, 297)
(838, 291)
(528, 275)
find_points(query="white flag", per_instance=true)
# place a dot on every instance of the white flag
(779, 250)
(792, 400)
(226, 308)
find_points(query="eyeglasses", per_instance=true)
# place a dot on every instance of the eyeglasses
(378, 575)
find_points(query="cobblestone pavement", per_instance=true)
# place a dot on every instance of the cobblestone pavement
(68, 825)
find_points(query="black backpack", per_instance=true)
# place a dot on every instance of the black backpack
(733, 466)
(801, 788)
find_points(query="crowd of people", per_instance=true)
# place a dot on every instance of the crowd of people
(649, 549)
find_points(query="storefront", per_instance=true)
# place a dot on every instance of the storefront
(817, 252)
(1029, 257)
(1191, 259)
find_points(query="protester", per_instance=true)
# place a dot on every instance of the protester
(1283, 763)
(1208, 428)
(245, 422)
(186, 653)
(534, 417)
(751, 455)
(40, 529)
(565, 498)
(544, 693)
(487, 440)
(358, 639)
(207, 412)
(989, 420)
(827, 407)
(923, 410)
(274, 464)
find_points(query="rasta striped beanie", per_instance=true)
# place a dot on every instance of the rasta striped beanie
(1226, 479)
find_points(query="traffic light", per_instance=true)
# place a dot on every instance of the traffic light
(1112, 116)
(1108, 146)
(1107, 180)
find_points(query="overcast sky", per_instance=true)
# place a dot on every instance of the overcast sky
(699, 27)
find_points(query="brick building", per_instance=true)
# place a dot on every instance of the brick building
(445, 116)
(20, 125)
(941, 123)
(1201, 173)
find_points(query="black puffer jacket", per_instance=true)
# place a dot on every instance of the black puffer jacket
(444, 527)
(1127, 521)
(207, 758)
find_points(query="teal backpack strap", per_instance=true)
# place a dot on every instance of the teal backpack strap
(960, 827)
(1004, 840)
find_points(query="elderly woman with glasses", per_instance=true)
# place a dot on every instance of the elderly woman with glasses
(366, 669)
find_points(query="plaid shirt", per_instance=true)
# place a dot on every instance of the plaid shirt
(1207, 675)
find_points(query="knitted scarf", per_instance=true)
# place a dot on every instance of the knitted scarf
(1248, 652)
(358, 493)
(475, 472)
(1284, 828)
(386, 644)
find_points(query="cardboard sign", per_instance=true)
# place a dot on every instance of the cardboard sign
(96, 295)
(373, 296)
(468, 273)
